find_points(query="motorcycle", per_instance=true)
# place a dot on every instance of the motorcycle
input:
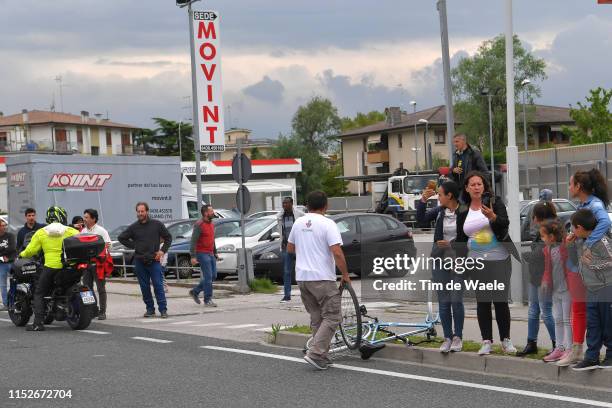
(70, 300)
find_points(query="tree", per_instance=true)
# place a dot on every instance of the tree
(256, 154)
(317, 124)
(362, 119)
(593, 119)
(487, 69)
(165, 138)
(333, 186)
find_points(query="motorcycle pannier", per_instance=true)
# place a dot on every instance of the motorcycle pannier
(26, 270)
(82, 247)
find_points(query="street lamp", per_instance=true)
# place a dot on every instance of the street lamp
(524, 83)
(428, 161)
(486, 92)
(416, 144)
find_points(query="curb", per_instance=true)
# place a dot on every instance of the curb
(524, 369)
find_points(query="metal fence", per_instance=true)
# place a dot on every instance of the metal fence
(350, 204)
(552, 168)
(125, 268)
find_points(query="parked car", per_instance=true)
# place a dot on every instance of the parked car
(363, 235)
(256, 231)
(262, 214)
(177, 228)
(178, 254)
(223, 213)
(565, 208)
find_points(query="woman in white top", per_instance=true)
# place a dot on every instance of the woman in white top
(483, 226)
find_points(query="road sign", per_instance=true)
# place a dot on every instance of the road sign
(243, 205)
(247, 169)
(207, 56)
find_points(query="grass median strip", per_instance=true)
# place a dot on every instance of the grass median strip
(469, 346)
(264, 285)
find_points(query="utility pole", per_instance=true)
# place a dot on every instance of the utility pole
(512, 155)
(448, 88)
(58, 79)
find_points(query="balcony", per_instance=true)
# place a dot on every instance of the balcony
(380, 156)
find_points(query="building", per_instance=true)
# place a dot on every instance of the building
(271, 180)
(386, 146)
(249, 146)
(55, 132)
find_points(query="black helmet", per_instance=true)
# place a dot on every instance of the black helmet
(57, 214)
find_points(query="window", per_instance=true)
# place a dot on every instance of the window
(396, 186)
(180, 229)
(79, 137)
(372, 225)
(3, 140)
(391, 223)
(95, 150)
(400, 141)
(222, 230)
(109, 138)
(125, 139)
(347, 225)
(440, 136)
(564, 206)
(192, 209)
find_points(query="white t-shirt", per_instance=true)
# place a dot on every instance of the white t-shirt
(98, 230)
(312, 236)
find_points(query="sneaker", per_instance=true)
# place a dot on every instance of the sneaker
(102, 316)
(285, 300)
(35, 327)
(566, 359)
(508, 347)
(457, 344)
(530, 348)
(210, 303)
(316, 363)
(585, 365)
(556, 355)
(485, 349)
(149, 314)
(446, 346)
(606, 364)
(164, 314)
(572, 356)
(196, 298)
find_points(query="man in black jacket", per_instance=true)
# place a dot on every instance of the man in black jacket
(465, 159)
(144, 237)
(30, 226)
(7, 255)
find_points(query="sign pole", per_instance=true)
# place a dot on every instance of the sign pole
(243, 274)
(194, 99)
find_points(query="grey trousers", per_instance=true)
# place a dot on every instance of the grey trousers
(322, 301)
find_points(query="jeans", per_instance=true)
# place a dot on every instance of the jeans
(208, 266)
(599, 323)
(146, 275)
(288, 267)
(4, 270)
(539, 307)
(450, 303)
(562, 306)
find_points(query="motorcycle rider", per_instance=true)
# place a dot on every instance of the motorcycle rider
(48, 239)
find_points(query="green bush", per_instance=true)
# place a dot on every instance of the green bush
(264, 285)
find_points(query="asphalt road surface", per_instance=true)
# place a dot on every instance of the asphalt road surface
(119, 366)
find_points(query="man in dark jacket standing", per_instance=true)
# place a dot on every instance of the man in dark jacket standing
(7, 255)
(465, 159)
(144, 237)
(30, 226)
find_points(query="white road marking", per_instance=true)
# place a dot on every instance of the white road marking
(242, 326)
(184, 322)
(93, 332)
(152, 340)
(426, 379)
(269, 329)
(379, 305)
(154, 320)
(208, 324)
(6, 320)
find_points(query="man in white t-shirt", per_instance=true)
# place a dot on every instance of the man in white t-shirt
(90, 217)
(316, 241)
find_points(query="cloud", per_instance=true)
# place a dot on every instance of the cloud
(267, 90)
(104, 61)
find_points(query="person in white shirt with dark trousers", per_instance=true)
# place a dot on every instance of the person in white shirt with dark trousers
(316, 241)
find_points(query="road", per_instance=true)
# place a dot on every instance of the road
(120, 366)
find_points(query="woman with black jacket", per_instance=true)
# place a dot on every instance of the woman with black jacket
(450, 301)
(483, 225)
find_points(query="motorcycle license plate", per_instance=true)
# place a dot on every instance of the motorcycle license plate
(88, 297)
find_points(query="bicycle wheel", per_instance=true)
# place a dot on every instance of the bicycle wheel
(350, 326)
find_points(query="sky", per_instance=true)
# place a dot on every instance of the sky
(131, 58)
